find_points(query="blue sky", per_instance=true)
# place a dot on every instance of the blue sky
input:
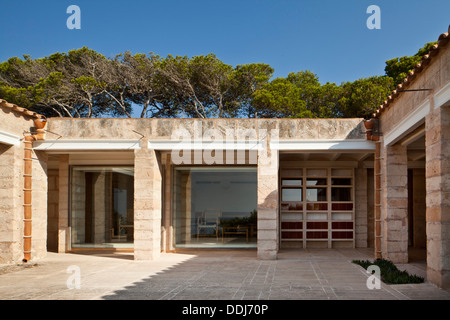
(327, 37)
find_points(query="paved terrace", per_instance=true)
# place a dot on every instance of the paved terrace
(219, 274)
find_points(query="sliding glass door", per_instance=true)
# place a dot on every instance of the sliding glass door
(102, 207)
(215, 207)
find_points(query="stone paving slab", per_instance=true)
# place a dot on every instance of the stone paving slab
(308, 274)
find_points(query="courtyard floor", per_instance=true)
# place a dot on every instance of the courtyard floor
(320, 274)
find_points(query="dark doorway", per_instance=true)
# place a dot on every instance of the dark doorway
(416, 214)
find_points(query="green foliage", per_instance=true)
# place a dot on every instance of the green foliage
(361, 97)
(14, 95)
(280, 99)
(84, 83)
(246, 81)
(399, 67)
(389, 272)
(299, 95)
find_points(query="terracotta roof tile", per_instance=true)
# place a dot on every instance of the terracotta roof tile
(426, 59)
(24, 111)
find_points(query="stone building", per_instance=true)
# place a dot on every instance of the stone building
(163, 185)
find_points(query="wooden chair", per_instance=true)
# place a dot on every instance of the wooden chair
(209, 220)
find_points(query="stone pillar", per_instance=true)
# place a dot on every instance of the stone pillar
(395, 204)
(437, 141)
(370, 208)
(39, 206)
(186, 208)
(268, 215)
(361, 208)
(147, 203)
(102, 192)
(63, 210)
(378, 223)
(80, 207)
(11, 204)
(167, 232)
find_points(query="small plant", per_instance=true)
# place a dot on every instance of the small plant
(390, 274)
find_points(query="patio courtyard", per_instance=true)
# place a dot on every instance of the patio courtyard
(300, 274)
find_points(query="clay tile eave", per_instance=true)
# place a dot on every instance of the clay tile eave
(23, 111)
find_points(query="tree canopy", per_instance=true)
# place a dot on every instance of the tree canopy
(84, 83)
(399, 67)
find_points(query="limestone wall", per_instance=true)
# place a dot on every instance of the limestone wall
(438, 195)
(11, 192)
(394, 166)
(370, 208)
(11, 200)
(361, 208)
(164, 128)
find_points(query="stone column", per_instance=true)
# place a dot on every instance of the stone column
(378, 223)
(39, 205)
(437, 141)
(167, 234)
(80, 207)
(370, 208)
(361, 213)
(395, 204)
(186, 208)
(99, 187)
(63, 212)
(11, 204)
(101, 206)
(147, 203)
(268, 215)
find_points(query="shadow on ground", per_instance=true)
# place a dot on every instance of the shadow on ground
(319, 274)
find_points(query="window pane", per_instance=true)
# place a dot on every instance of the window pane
(341, 194)
(341, 172)
(316, 194)
(316, 182)
(341, 182)
(342, 206)
(291, 172)
(215, 207)
(316, 172)
(317, 206)
(291, 182)
(293, 194)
